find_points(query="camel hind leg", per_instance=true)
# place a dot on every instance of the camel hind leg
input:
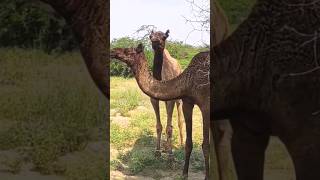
(205, 144)
(305, 155)
(180, 120)
(155, 105)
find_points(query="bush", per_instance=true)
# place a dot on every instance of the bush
(24, 25)
(182, 52)
(236, 11)
(118, 68)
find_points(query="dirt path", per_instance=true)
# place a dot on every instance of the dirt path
(117, 175)
(28, 175)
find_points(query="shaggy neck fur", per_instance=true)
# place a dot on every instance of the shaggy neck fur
(157, 64)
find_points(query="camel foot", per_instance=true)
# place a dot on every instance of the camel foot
(157, 153)
(171, 157)
(171, 161)
(184, 176)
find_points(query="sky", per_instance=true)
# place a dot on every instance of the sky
(126, 16)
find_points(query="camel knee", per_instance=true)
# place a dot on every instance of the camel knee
(159, 128)
(223, 130)
(169, 131)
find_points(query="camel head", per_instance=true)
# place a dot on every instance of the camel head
(127, 55)
(158, 39)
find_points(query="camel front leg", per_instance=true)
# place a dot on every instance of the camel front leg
(248, 150)
(155, 105)
(187, 112)
(169, 108)
(222, 133)
(180, 120)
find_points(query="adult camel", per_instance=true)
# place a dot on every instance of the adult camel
(267, 81)
(165, 67)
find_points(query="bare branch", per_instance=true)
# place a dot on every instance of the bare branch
(199, 18)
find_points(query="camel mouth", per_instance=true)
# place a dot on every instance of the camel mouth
(156, 45)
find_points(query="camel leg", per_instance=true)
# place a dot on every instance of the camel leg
(205, 142)
(155, 105)
(187, 112)
(180, 121)
(222, 138)
(169, 107)
(305, 155)
(248, 150)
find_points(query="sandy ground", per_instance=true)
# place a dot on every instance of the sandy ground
(117, 175)
(27, 172)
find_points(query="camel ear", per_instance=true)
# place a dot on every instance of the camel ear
(140, 48)
(167, 33)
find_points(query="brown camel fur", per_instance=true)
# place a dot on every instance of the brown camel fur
(192, 86)
(90, 24)
(267, 81)
(165, 67)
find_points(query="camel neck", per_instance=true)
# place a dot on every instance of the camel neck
(166, 54)
(237, 65)
(157, 64)
(232, 55)
(163, 90)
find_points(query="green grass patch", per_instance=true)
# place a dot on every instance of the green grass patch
(51, 105)
(136, 143)
(124, 101)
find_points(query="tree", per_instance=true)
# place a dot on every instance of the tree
(29, 25)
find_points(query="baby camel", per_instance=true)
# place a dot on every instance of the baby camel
(165, 67)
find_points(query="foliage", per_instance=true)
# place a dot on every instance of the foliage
(182, 52)
(236, 11)
(49, 103)
(118, 68)
(29, 25)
